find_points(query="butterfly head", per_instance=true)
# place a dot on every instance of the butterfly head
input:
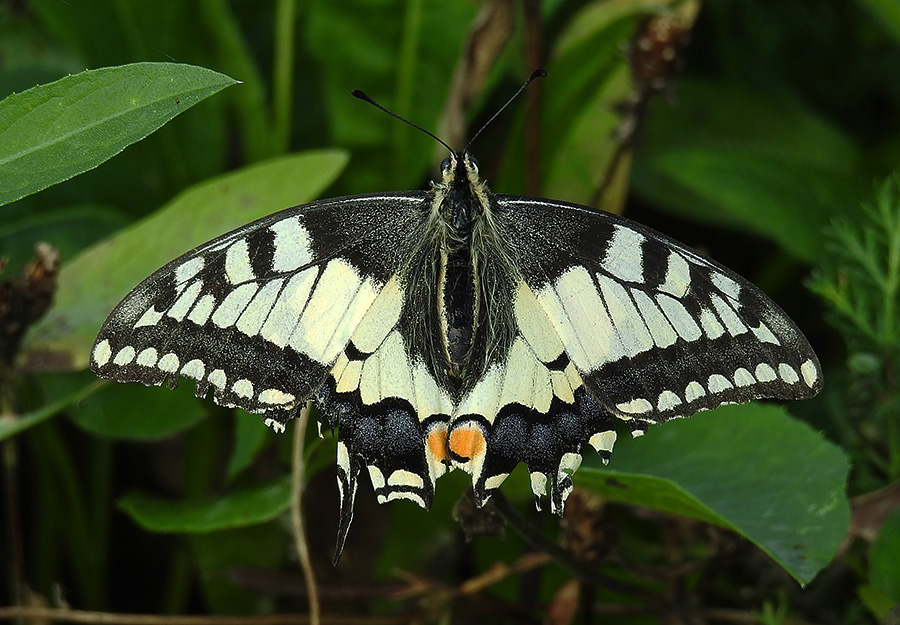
(463, 195)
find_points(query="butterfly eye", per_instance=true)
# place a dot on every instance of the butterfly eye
(445, 165)
(473, 162)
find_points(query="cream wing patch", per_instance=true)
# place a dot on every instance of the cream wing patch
(340, 300)
(387, 370)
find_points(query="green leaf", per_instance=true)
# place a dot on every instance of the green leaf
(136, 412)
(94, 282)
(10, 426)
(239, 509)
(878, 603)
(69, 229)
(750, 468)
(887, 12)
(250, 435)
(732, 156)
(593, 78)
(884, 563)
(53, 132)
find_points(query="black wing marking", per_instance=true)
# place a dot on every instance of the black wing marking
(656, 330)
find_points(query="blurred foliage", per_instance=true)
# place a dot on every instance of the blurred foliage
(761, 151)
(860, 281)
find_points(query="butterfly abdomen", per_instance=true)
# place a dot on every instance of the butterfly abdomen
(458, 300)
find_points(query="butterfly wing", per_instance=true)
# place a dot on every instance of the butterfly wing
(390, 412)
(657, 330)
(286, 292)
(615, 319)
(261, 316)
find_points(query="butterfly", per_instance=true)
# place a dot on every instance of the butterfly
(455, 328)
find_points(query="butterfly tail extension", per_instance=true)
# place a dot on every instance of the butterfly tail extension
(348, 467)
(554, 453)
(387, 437)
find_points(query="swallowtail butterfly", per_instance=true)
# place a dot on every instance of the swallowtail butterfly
(455, 328)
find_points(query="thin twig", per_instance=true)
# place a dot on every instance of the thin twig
(297, 514)
(114, 618)
(10, 469)
(727, 615)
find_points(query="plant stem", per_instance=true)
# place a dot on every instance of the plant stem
(299, 532)
(237, 61)
(406, 73)
(283, 73)
(13, 520)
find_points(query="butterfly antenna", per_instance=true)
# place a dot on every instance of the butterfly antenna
(362, 96)
(539, 73)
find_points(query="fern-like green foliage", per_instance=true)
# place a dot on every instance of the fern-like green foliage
(860, 281)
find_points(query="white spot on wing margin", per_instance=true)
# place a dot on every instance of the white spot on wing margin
(102, 352)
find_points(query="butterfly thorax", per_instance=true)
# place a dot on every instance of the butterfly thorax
(464, 316)
(458, 205)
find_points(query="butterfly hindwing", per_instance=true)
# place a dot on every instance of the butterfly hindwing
(390, 412)
(530, 407)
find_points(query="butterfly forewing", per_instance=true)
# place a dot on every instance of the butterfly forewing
(258, 316)
(656, 330)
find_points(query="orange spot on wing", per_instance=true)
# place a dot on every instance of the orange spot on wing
(436, 440)
(467, 441)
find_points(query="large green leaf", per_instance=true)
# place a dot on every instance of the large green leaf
(10, 426)
(239, 509)
(136, 412)
(250, 435)
(53, 132)
(69, 229)
(751, 468)
(94, 282)
(130, 412)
